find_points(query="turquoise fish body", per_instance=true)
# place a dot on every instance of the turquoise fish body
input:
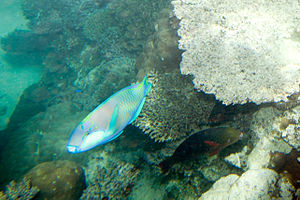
(107, 121)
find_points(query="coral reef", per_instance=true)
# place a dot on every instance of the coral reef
(135, 19)
(173, 109)
(241, 52)
(117, 27)
(47, 17)
(21, 190)
(97, 23)
(107, 178)
(161, 52)
(102, 28)
(57, 180)
(101, 81)
(94, 51)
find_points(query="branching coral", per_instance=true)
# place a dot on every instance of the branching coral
(240, 51)
(21, 190)
(173, 109)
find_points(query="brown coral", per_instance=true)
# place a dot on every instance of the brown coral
(57, 180)
(173, 109)
(21, 190)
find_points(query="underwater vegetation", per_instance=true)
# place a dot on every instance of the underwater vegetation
(92, 49)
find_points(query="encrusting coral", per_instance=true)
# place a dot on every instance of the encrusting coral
(173, 109)
(239, 51)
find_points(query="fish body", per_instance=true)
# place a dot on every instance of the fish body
(107, 121)
(209, 141)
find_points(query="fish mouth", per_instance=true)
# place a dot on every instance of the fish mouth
(72, 149)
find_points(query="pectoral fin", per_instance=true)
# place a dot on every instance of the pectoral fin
(214, 147)
(211, 143)
(113, 120)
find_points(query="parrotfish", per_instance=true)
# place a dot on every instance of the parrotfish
(209, 141)
(107, 121)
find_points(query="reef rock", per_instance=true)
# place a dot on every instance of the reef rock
(252, 185)
(264, 125)
(240, 51)
(289, 127)
(58, 180)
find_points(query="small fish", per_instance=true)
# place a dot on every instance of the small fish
(209, 141)
(107, 121)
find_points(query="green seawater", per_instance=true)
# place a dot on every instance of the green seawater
(14, 80)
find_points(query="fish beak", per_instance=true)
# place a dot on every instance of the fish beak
(72, 149)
